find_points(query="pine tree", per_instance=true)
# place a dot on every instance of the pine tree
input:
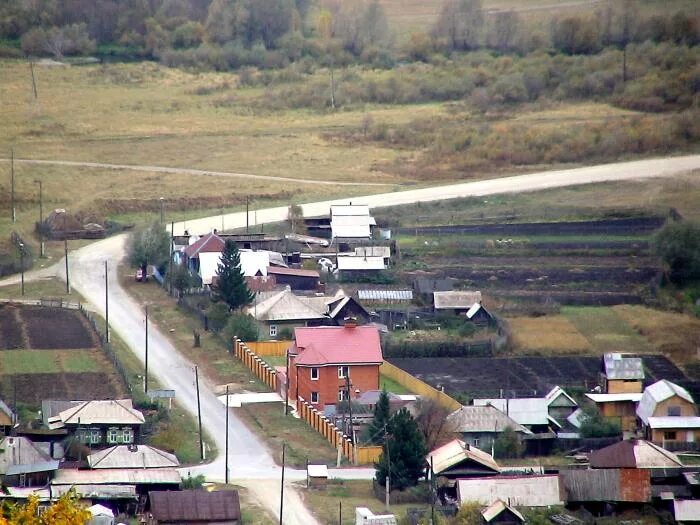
(403, 453)
(376, 429)
(231, 286)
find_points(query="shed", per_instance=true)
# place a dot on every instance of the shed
(615, 485)
(191, 507)
(500, 512)
(317, 476)
(478, 314)
(634, 453)
(457, 459)
(100, 515)
(296, 278)
(351, 221)
(458, 301)
(523, 491)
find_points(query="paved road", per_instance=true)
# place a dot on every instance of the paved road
(664, 167)
(188, 171)
(249, 459)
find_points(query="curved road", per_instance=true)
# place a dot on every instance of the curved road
(249, 458)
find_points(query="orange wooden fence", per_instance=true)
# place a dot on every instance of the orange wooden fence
(260, 368)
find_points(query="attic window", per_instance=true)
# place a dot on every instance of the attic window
(674, 411)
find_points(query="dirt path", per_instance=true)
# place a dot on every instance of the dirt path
(189, 171)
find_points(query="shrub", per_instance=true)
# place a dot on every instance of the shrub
(594, 425)
(242, 326)
(218, 315)
(507, 445)
(678, 246)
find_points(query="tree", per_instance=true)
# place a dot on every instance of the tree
(678, 246)
(431, 418)
(242, 326)
(403, 453)
(66, 511)
(594, 425)
(231, 286)
(377, 428)
(149, 245)
(295, 216)
(182, 280)
(503, 31)
(469, 514)
(507, 444)
(460, 24)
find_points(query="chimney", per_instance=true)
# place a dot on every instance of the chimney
(350, 322)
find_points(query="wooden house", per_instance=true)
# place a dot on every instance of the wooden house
(479, 426)
(667, 412)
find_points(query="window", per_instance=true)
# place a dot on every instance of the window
(95, 436)
(314, 374)
(127, 435)
(314, 397)
(273, 330)
(113, 435)
(671, 436)
(342, 395)
(674, 411)
(476, 442)
(343, 372)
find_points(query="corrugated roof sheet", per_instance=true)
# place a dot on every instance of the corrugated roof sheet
(633, 397)
(373, 251)
(483, 419)
(19, 451)
(617, 366)
(356, 262)
(132, 456)
(634, 453)
(686, 510)
(109, 411)
(630, 485)
(526, 411)
(496, 508)
(457, 451)
(525, 491)
(195, 505)
(40, 466)
(656, 393)
(116, 476)
(453, 300)
(352, 210)
(326, 345)
(105, 491)
(385, 295)
(687, 422)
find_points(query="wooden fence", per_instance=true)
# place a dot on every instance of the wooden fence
(260, 368)
(270, 348)
(417, 386)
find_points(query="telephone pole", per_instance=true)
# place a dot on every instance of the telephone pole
(41, 215)
(145, 372)
(199, 414)
(282, 485)
(106, 305)
(12, 184)
(226, 456)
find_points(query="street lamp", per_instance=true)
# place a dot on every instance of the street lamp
(21, 263)
(162, 200)
(41, 215)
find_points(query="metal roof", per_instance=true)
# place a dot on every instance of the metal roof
(686, 510)
(297, 272)
(352, 210)
(373, 251)
(210, 243)
(106, 412)
(317, 471)
(617, 366)
(656, 393)
(452, 300)
(357, 262)
(283, 305)
(483, 419)
(632, 485)
(457, 451)
(526, 411)
(40, 466)
(496, 508)
(686, 422)
(195, 505)
(132, 456)
(634, 453)
(128, 476)
(106, 491)
(557, 392)
(331, 345)
(634, 397)
(525, 491)
(19, 451)
(385, 295)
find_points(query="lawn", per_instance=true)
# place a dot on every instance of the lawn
(388, 384)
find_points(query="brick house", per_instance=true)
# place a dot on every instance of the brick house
(323, 358)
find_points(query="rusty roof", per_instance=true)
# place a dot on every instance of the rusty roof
(631, 485)
(195, 505)
(634, 453)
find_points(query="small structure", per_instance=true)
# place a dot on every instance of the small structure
(132, 456)
(374, 251)
(522, 491)
(201, 257)
(114, 484)
(619, 407)
(479, 426)
(352, 266)
(364, 516)
(622, 374)
(17, 450)
(7, 418)
(616, 485)
(295, 278)
(560, 405)
(477, 314)
(385, 296)
(37, 474)
(457, 459)
(101, 515)
(500, 512)
(192, 507)
(316, 476)
(667, 412)
(100, 422)
(686, 511)
(531, 412)
(351, 222)
(634, 453)
(324, 360)
(458, 302)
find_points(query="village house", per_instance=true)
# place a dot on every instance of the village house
(351, 222)
(354, 267)
(24, 465)
(326, 361)
(194, 507)
(132, 456)
(519, 490)
(456, 302)
(667, 412)
(622, 374)
(7, 418)
(479, 426)
(457, 459)
(560, 405)
(95, 423)
(530, 412)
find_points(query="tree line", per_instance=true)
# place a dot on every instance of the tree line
(225, 34)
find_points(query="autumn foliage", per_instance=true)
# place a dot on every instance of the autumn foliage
(66, 511)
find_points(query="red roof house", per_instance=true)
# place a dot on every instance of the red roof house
(322, 358)
(210, 243)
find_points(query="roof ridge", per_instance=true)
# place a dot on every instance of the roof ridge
(78, 408)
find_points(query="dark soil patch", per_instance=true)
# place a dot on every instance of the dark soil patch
(11, 334)
(56, 328)
(32, 388)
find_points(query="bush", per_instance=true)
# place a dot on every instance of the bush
(594, 425)
(678, 246)
(507, 445)
(242, 326)
(218, 315)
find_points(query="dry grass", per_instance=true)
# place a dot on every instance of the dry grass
(547, 334)
(676, 335)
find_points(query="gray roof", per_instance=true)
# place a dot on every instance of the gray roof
(102, 411)
(385, 295)
(42, 466)
(19, 451)
(451, 300)
(132, 456)
(656, 393)
(526, 411)
(52, 407)
(425, 286)
(483, 419)
(617, 366)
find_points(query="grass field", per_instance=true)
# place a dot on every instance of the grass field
(48, 361)
(554, 334)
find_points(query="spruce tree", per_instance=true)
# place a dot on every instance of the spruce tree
(231, 286)
(376, 429)
(403, 453)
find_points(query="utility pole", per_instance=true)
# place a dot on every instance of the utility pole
(170, 261)
(387, 481)
(161, 209)
(199, 413)
(106, 305)
(247, 212)
(286, 388)
(145, 372)
(12, 184)
(65, 250)
(432, 492)
(340, 512)
(332, 86)
(347, 388)
(226, 456)
(31, 67)
(41, 216)
(21, 263)
(282, 485)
